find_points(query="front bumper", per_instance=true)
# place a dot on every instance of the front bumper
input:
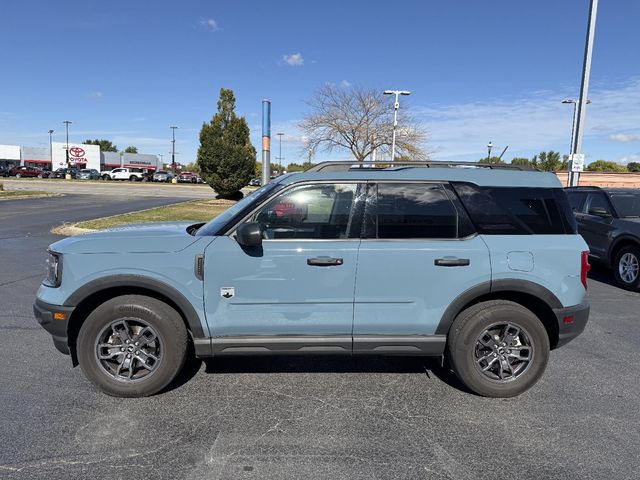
(44, 313)
(571, 322)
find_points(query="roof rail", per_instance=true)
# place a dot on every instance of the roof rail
(340, 166)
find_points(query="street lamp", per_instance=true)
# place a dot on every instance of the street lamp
(489, 147)
(396, 106)
(280, 156)
(173, 150)
(67, 176)
(51, 148)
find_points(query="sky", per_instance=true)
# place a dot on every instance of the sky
(479, 71)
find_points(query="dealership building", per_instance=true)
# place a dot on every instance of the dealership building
(80, 156)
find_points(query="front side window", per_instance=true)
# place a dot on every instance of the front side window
(597, 202)
(405, 210)
(323, 212)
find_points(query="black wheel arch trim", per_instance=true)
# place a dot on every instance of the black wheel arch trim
(140, 281)
(494, 286)
(623, 238)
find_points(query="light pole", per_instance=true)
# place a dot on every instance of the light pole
(173, 149)
(161, 164)
(576, 147)
(280, 155)
(396, 106)
(66, 124)
(489, 147)
(573, 125)
(51, 148)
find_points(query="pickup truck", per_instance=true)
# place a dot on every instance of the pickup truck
(131, 174)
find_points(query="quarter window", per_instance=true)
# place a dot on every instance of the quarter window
(323, 211)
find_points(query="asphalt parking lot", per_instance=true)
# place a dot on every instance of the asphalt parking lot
(311, 417)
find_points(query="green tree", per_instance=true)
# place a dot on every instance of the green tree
(605, 166)
(299, 167)
(105, 145)
(131, 149)
(547, 161)
(491, 160)
(522, 161)
(633, 166)
(191, 167)
(226, 157)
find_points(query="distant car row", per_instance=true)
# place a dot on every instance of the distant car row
(131, 174)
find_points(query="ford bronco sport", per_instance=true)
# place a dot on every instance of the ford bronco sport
(476, 263)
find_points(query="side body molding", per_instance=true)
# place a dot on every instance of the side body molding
(140, 281)
(485, 288)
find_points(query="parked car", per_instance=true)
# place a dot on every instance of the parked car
(62, 173)
(609, 221)
(131, 174)
(147, 176)
(481, 265)
(89, 174)
(162, 176)
(26, 172)
(4, 171)
(189, 177)
(255, 182)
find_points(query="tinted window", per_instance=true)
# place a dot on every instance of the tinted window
(310, 212)
(404, 210)
(596, 200)
(517, 211)
(575, 200)
(626, 204)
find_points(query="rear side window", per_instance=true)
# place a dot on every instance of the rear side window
(517, 211)
(575, 200)
(408, 210)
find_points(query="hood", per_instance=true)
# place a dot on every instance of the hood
(143, 238)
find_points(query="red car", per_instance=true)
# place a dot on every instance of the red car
(189, 177)
(27, 172)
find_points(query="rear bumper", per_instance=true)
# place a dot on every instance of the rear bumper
(57, 328)
(571, 322)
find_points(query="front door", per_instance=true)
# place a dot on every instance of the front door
(300, 282)
(419, 255)
(595, 229)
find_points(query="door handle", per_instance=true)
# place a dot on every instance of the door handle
(324, 261)
(451, 262)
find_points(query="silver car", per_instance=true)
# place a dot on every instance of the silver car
(162, 176)
(89, 174)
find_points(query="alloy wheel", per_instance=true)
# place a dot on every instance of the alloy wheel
(503, 352)
(628, 267)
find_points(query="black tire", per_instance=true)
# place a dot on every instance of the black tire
(18, 175)
(133, 178)
(166, 324)
(627, 279)
(464, 343)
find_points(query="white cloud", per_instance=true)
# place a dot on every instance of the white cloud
(95, 94)
(530, 123)
(635, 157)
(345, 83)
(209, 23)
(623, 137)
(294, 60)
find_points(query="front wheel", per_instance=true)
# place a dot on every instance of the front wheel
(133, 178)
(498, 348)
(132, 346)
(626, 268)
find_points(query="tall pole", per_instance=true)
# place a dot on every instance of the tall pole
(66, 124)
(489, 147)
(574, 177)
(396, 107)
(280, 155)
(266, 141)
(173, 149)
(51, 148)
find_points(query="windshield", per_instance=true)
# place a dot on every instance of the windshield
(627, 204)
(214, 225)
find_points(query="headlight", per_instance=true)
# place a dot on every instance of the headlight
(54, 270)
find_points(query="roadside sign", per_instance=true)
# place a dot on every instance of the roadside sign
(577, 162)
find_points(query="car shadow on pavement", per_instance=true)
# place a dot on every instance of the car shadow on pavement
(601, 274)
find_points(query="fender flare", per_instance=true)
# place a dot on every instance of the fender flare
(619, 239)
(139, 281)
(485, 288)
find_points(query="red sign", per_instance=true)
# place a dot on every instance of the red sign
(76, 152)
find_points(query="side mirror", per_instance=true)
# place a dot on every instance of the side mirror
(249, 234)
(599, 212)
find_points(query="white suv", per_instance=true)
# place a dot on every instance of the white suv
(132, 174)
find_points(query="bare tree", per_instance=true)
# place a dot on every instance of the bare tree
(360, 120)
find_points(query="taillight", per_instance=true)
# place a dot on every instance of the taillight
(584, 268)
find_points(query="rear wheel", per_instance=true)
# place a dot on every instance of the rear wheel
(132, 346)
(626, 268)
(18, 175)
(133, 178)
(498, 348)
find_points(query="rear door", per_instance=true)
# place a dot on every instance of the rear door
(419, 253)
(596, 229)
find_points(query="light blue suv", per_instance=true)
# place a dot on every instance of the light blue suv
(476, 263)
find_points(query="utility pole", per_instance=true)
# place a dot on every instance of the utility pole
(576, 147)
(51, 149)
(573, 128)
(280, 156)
(489, 147)
(161, 161)
(396, 106)
(173, 149)
(66, 124)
